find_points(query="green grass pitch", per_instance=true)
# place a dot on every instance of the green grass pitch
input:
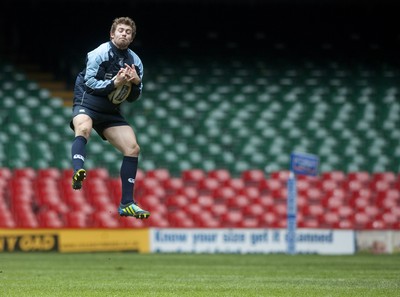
(193, 275)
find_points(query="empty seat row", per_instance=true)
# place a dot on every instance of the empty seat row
(32, 198)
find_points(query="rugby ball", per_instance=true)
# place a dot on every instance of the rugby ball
(120, 93)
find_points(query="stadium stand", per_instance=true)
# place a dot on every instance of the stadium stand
(216, 125)
(43, 198)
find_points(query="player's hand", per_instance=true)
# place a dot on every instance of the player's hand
(131, 74)
(120, 78)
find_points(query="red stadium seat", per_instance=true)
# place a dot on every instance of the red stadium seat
(388, 199)
(237, 202)
(371, 210)
(361, 220)
(376, 224)
(249, 223)
(267, 201)
(218, 209)
(332, 202)
(328, 185)
(205, 201)
(75, 219)
(5, 173)
(396, 211)
(253, 210)
(313, 210)
(302, 201)
(192, 209)
(208, 185)
(252, 193)
(309, 223)
(48, 173)
(352, 186)
(363, 176)
(388, 177)
(192, 177)
(338, 176)
(380, 185)
(180, 218)
(50, 219)
(173, 185)
(6, 218)
(176, 202)
(339, 193)
(27, 221)
(224, 193)
(329, 219)
(151, 201)
(76, 201)
(206, 220)
(190, 192)
(280, 209)
(66, 174)
(115, 189)
(101, 173)
(359, 203)
(222, 175)
(95, 187)
(302, 186)
(161, 174)
(269, 186)
(282, 176)
(151, 186)
(232, 219)
(236, 184)
(314, 195)
(280, 193)
(389, 219)
(344, 224)
(160, 209)
(158, 220)
(363, 193)
(268, 220)
(253, 177)
(345, 212)
(103, 219)
(27, 172)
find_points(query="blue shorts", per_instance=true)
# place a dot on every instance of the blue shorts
(101, 120)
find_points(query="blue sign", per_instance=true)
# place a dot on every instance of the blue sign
(305, 164)
(300, 163)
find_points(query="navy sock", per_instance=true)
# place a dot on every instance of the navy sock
(78, 152)
(128, 175)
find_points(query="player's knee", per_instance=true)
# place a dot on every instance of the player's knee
(133, 150)
(83, 131)
(136, 149)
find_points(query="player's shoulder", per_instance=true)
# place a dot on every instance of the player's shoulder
(135, 57)
(101, 49)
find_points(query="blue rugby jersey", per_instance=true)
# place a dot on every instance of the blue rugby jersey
(93, 83)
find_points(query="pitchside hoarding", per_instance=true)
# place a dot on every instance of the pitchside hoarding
(314, 241)
(74, 240)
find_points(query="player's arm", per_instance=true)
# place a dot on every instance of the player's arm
(94, 70)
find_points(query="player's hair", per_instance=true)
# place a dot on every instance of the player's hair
(126, 21)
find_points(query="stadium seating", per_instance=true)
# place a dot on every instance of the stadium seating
(216, 132)
(233, 121)
(44, 198)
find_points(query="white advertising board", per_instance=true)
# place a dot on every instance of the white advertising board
(315, 241)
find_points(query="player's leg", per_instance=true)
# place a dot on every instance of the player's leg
(82, 125)
(124, 139)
